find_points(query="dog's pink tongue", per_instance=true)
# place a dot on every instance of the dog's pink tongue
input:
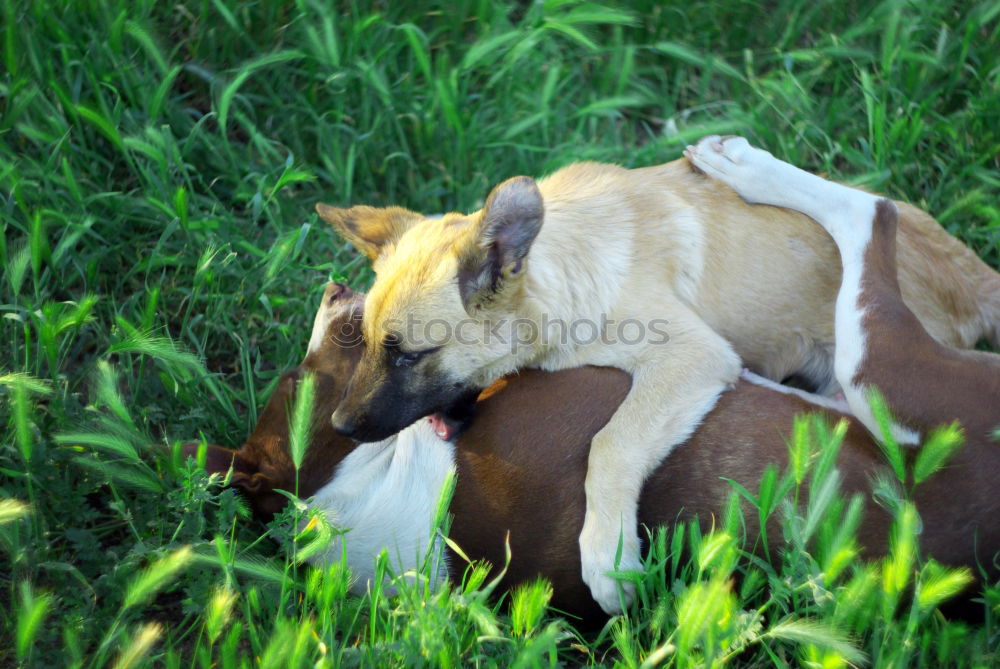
(441, 427)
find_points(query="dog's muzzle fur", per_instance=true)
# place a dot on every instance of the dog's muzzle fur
(381, 400)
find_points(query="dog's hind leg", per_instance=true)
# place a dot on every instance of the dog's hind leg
(879, 342)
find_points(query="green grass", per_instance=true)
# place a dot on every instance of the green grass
(158, 167)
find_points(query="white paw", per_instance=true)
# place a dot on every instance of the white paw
(597, 551)
(753, 173)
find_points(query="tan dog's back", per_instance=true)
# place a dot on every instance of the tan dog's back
(765, 278)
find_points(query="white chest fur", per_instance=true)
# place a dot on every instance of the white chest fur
(384, 496)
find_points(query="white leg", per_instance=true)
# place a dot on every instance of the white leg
(760, 178)
(846, 213)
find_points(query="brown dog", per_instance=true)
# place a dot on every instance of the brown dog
(656, 271)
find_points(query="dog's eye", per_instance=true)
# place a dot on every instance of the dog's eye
(402, 358)
(408, 359)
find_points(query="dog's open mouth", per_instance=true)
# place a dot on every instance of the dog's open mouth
(451, 422)
(444, 428)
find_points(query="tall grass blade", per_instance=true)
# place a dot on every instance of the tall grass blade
(106, 126)
(12, 510)
(817, 634)
(936, 451)
(938, 584)
(136, 475)
(155, 577)
(106, 442)
(229, 92)
(16, 267)
(139, 646)
(300, 427)
(528, 605)
(160, 348)
(31, 612)
(21, 385)
(898, 567)
(887, 443)
(220, 609)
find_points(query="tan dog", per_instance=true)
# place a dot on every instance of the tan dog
(661, 248)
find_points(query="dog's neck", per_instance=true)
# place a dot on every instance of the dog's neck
(554, 308)
(384, 495)
(593, 288)
(566, 294)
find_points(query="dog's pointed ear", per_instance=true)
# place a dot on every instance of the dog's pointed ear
(369, 229)
(508, 225)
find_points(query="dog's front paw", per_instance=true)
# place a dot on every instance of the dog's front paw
(597, 552)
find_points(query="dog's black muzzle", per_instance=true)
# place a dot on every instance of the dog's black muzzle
(389, 407)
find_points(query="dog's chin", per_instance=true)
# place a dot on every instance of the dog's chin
(364, 432)
(376, 428)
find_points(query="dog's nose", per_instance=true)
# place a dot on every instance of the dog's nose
(343, 425)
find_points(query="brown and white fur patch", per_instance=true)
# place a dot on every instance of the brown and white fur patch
(874, 327)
